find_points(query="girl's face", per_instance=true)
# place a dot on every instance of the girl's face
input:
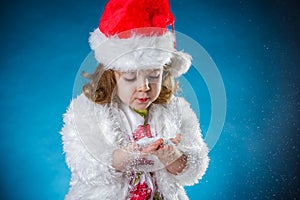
(139, 89)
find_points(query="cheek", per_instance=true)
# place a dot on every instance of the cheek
(155, 90)
(124, 91)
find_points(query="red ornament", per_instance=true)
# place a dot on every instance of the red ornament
(141, 132)
(141, 192)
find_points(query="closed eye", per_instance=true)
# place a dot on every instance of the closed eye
(129, 79)
(129, 76)
(154, 75)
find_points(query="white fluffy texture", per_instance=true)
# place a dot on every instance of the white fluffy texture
(180, 63)
(93, 178)
(139, 52)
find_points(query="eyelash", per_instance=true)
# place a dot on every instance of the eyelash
(133, 79)
(130, 80)
(155, 76)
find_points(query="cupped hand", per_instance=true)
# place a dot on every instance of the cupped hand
(177, 139)
(152, 147)
(167, 154)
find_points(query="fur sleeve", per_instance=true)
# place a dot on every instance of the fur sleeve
(84, 144)
(192, 145)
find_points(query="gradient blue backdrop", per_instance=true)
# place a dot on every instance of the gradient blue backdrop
(255, 45)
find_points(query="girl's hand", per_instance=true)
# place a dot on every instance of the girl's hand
(123, 156)
(177, 139)
(164, 152)
(167, 154)
(149, 149)
(174, 160)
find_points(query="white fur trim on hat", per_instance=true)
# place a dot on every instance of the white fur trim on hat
(180, 63)
(139, 52)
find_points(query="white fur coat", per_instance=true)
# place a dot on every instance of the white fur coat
(92, 132)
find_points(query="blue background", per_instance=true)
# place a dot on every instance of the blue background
(255, 45)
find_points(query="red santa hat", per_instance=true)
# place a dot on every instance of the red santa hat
(134, 35)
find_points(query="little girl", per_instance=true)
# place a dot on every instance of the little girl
(127, 136)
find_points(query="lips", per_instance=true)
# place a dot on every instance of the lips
(143, 100)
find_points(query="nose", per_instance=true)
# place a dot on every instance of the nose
(144, 87)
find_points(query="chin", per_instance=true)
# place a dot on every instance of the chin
(140, 107)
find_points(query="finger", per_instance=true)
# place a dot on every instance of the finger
(147, 149)
(153, 146)
(158, 142)
(174, 141)
(179, 135)
(164, 150)
(167, 154)
(131, 147)
(177, 139)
